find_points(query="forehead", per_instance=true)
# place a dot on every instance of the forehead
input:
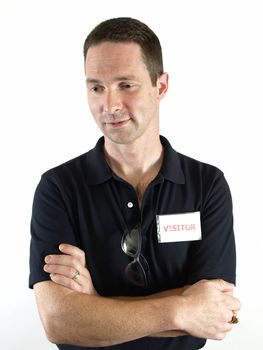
(108, 58)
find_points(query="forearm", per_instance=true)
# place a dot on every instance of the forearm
(114, 321)
(89, 320)
(172, 292)
(165, 293)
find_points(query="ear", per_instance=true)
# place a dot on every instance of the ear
(162, 85)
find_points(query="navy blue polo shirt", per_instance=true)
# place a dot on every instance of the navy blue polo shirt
(82, 202)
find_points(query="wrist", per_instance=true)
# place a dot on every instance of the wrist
(176, 312)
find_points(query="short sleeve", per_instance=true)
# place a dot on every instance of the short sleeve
(215, 255)
(50, 226)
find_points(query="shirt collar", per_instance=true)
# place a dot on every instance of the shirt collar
(99, 170)
(171, 168)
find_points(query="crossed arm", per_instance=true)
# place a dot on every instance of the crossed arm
(73, 313)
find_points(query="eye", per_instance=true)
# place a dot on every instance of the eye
(126, 86)
(97, 89)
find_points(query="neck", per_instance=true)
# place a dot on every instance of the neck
(137, 163)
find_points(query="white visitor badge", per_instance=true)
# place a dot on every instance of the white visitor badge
(179, 227)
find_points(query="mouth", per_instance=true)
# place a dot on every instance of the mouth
(118, 124)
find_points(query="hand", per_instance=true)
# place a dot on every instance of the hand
(208, 309)
(62, 269)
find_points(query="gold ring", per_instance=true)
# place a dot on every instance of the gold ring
(234, 319)
(76, 275)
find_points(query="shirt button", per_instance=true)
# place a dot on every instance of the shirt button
(130, 205)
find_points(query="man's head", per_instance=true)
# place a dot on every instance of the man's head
(125, 82)
(129, 30)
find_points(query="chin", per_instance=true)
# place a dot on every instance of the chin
(121, 139)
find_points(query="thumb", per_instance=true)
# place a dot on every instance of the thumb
(224, 286)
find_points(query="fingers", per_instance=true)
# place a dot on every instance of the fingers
(63, 275)
(219, 329)
(72, 256)
(73, 251)
(230, 302)
(64, 260)
(67, 282)
(66, 271)
(211, 306)
(228, 290)
(65, 265)
(235, 305)
(63, 268)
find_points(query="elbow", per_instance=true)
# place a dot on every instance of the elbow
(57, 332)
(53, 321)
(53, 329)
(52, 337)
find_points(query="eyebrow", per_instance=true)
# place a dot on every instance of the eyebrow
(92, 81)
(121, 78)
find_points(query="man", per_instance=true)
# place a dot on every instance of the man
(132, 243)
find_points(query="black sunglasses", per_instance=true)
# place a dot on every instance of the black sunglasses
(137, 270)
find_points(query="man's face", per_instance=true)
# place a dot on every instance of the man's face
(121, 97)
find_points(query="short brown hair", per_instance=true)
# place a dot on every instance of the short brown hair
(125, 29)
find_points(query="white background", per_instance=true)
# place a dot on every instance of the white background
(213, 53)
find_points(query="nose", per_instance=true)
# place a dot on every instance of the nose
(113, 103)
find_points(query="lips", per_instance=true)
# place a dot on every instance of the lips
(117, 123)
